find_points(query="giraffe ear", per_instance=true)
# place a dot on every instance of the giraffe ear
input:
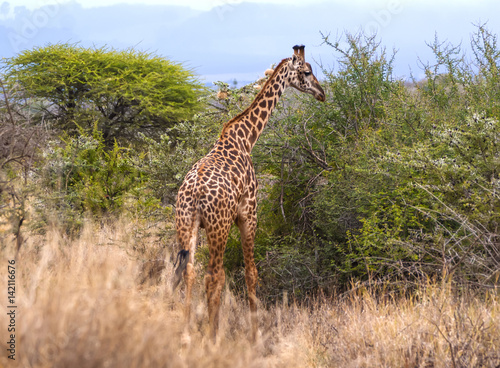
(294, 61)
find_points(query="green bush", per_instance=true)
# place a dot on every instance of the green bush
(448, 192)
(386, 180)
(80, 177)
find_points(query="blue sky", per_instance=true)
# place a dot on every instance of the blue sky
(194, 4)
(230, 39)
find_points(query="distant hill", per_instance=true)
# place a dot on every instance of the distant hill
(239, 41)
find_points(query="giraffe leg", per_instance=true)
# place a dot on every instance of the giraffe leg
(247, 225)
(214, 282)
(187, 234)
(189, 276)
(215, 277)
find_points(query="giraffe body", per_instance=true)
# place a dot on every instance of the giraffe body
(221, 189)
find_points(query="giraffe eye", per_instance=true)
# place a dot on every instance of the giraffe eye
(307, 73)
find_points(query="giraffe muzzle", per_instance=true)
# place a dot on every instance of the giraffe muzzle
(320, 95)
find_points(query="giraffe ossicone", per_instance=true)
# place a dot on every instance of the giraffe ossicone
(221, 189)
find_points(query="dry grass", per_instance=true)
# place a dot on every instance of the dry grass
(82, 304)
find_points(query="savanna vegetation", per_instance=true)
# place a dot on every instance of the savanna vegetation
(378, 236)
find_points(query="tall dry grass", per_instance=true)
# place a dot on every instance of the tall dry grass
(83, 303)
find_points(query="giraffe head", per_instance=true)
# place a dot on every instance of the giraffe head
(302, 77)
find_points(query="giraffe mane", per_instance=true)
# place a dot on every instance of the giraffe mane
(261, 92)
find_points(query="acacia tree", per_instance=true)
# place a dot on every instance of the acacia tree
(122, 92)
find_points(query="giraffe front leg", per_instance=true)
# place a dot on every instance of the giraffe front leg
(247, 225)
(251, 280)
(215, 278)
(214, 282)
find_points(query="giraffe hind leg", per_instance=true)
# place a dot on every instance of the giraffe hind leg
(188, 237)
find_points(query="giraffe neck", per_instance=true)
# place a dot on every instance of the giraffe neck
(247, 127)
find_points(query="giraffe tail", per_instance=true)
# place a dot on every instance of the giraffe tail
(182, 258)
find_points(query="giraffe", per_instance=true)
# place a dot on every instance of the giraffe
(220, 189)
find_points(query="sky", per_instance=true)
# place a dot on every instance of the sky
(194, 4)
(233, 39)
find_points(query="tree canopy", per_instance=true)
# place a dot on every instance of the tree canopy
(122, 92)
